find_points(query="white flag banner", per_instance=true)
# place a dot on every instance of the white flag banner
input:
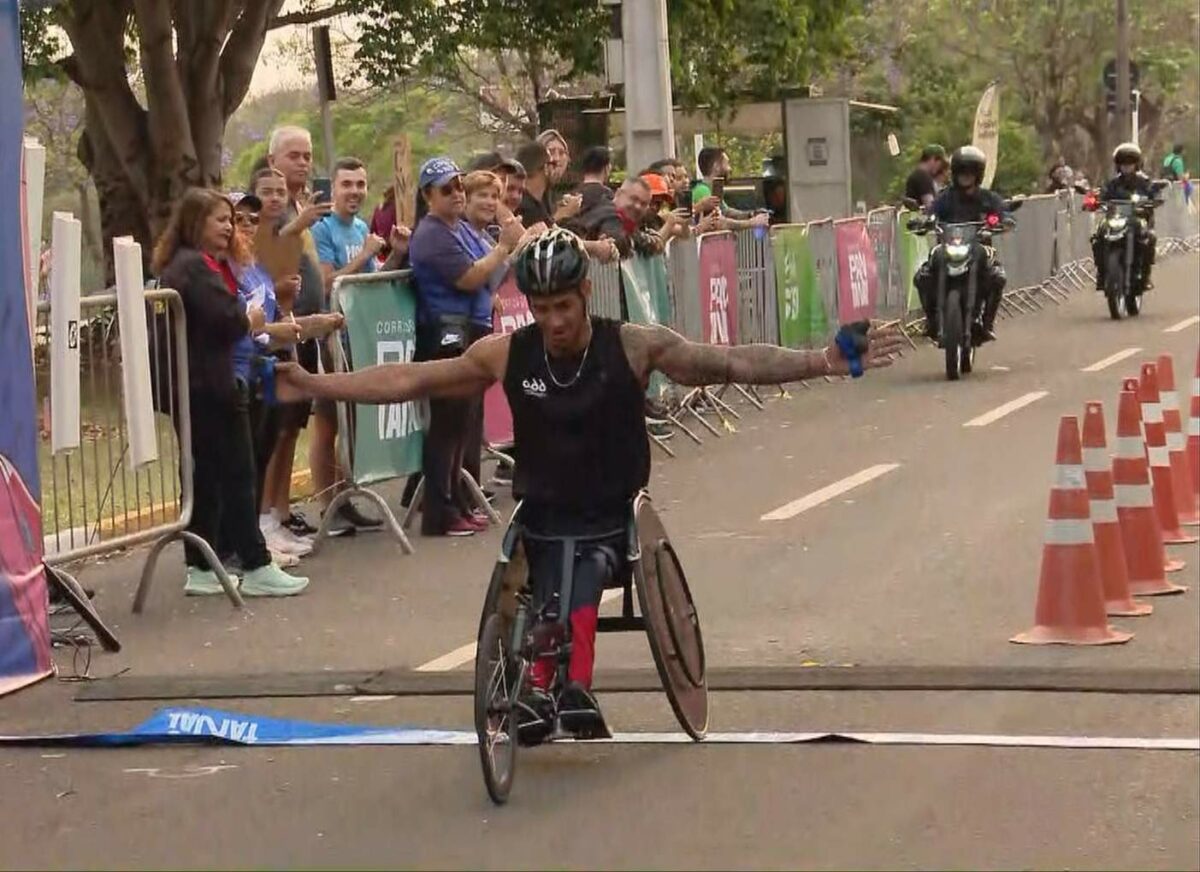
(65, 248)
(986, 135)
(135, 352)
(33, 184)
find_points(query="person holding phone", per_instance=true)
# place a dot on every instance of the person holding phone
(345, 246)
(708, 194)
(290, 152)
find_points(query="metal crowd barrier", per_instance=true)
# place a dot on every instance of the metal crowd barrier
(93, 502)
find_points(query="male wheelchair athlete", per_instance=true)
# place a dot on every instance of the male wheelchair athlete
(511, 637)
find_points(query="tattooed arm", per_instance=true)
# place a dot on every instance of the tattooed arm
(465, 376)
(694, 363)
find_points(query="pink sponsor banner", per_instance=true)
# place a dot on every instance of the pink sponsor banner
(858, 278)
(718, 289)
(511, 311)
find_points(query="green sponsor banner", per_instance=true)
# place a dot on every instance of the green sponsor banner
(802, 317)
(914, 251)
(648, 300)
(381, 323)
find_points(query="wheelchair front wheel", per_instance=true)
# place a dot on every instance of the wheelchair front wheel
(497, 685)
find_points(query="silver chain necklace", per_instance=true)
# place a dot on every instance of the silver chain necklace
(578, 372)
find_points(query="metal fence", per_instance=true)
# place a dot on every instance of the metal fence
(93, 501)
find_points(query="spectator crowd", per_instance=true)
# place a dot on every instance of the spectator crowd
(256, 267)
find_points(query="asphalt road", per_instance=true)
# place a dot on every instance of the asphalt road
(926, 554)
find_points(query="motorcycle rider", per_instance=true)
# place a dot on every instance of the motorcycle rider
(1129, 180)
(965, 201)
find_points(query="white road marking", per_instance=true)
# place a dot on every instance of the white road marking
(466, 653)
(453, 660)
(1007, 409)
(1183, 325)
(1111, 359)
(829, 492)
(383, 698)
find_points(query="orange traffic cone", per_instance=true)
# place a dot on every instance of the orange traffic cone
(1106, 529)
(1160, 459)
(1145, 556)
(1193, 432)
(1187, 504)
(1070, 603)
(1132, 385)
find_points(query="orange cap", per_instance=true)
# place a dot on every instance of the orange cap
(658, 185)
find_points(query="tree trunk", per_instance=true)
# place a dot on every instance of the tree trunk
(197, 58)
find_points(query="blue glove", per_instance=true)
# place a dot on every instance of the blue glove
(852, 342)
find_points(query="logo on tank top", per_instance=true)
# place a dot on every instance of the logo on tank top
(534, 387)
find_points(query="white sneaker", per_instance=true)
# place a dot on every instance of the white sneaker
(281, 540)
(284, 561)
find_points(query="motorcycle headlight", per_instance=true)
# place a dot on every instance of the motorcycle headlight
(957, 251)
(1117, 222)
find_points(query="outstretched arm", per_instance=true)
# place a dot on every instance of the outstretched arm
(468, 375)
(694, 363)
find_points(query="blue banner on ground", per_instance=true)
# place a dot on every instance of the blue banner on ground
(213, 726)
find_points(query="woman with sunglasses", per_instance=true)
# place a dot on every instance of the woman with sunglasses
(453, 267)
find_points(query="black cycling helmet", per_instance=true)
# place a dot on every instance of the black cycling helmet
(1127, 152)
(552, 263)
(968, 159)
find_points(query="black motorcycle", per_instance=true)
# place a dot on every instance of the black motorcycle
(960, 252)
(1123, 222)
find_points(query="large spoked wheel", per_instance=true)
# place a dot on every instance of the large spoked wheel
(1118, 300)
(952, 334)
(672, 625)
(497, 679)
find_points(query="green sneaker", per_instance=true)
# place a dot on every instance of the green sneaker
(204, 582)
(270, 580)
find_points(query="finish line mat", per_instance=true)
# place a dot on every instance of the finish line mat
(409, 682)
(213, 726)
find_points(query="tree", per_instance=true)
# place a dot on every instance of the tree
(508, 56)
(54, 116)
(144, 146)
(729, 51)
(935, 56)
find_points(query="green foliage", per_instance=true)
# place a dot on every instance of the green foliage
(404, 38)
(41, 46)
(436, 124)
(726, 51)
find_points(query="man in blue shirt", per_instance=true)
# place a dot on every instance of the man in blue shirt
(345, 246)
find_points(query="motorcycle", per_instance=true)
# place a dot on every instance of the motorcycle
(1120, 227)
(960, 253)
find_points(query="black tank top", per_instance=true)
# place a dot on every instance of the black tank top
(582, 450)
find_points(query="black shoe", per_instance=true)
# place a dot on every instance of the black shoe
(339, 526)
(299, 525)
(535, 717)
(931, 330)
(579, 713)
(349, 512)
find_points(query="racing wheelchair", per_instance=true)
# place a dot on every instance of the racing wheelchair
(512, 633)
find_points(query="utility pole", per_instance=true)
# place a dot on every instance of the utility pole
(649, 118)
(1123, 117)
